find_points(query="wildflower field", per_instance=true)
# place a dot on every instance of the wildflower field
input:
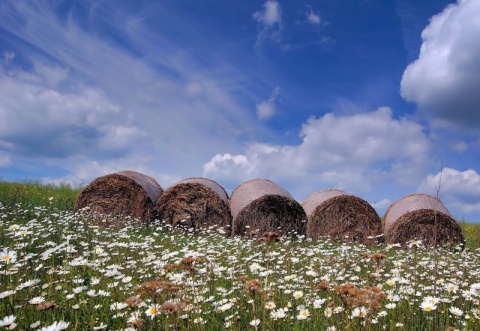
(57, 272)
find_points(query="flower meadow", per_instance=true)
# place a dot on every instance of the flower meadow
(59, 272)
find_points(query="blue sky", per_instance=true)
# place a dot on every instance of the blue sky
(378, 98)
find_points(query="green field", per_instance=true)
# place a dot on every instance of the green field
(61, 197)
(58, 271)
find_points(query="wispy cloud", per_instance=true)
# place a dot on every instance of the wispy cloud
(267, 109)
(5, 160)
(92, 98)
(270, 15)
(312, 17)
(269, 20)
(8, 56)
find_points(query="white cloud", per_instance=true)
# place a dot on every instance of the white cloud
(85, 170)
(228, 165)
(266, 109)
(382, 204)
(355, 153)
(312, 17)
(155, 107)
(445, 78)
(51, 76)
(458, 190)
(8, 56)
(459, 146)
(270, 15)
(121, 137)
(194, 89)
(270, 20)
(5, 160)
(38, 120)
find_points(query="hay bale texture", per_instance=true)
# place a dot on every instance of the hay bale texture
(195, 203)
(125, 193)
(260, 205)
(421, 217)
(341, 215)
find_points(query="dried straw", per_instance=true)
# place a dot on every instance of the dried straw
(421, 217)
(341, 215)
(118, 195)
(195, 203)
(260, 206)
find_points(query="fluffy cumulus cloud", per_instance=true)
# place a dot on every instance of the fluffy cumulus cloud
(233, 167)
(269, 19)
(355, 153)
(445, 79)
(36, 118)
(458, 190)
(266, 109)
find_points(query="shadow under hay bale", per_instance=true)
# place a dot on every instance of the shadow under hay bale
(195, 203)
(260, 206)
(118, 195)
(342, 216)
(421, 217)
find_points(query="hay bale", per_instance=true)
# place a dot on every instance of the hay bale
(424, 217)
(341, 215)
(125, 193)
(195, 203)
(259, 205)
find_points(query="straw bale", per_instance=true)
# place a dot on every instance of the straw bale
(260, 205)
(421, 217)
(125, 193)
(341, 215)
(195, 203)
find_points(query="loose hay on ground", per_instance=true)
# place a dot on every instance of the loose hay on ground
(260, 206)
(195, 203)
(118, 195)
(341, 215)
(421, 217)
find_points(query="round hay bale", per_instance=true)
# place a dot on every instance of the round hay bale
(421, 217)
(260, 206)
(341, 215)
(195, 203)
(125, 193)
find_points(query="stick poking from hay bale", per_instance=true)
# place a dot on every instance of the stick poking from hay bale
(125, 193)
(341, 215)
(260, 206)
(421, 217)
(195, 203)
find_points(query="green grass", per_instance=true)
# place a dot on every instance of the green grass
(209, 282)
(472, 234)
(34, 193)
